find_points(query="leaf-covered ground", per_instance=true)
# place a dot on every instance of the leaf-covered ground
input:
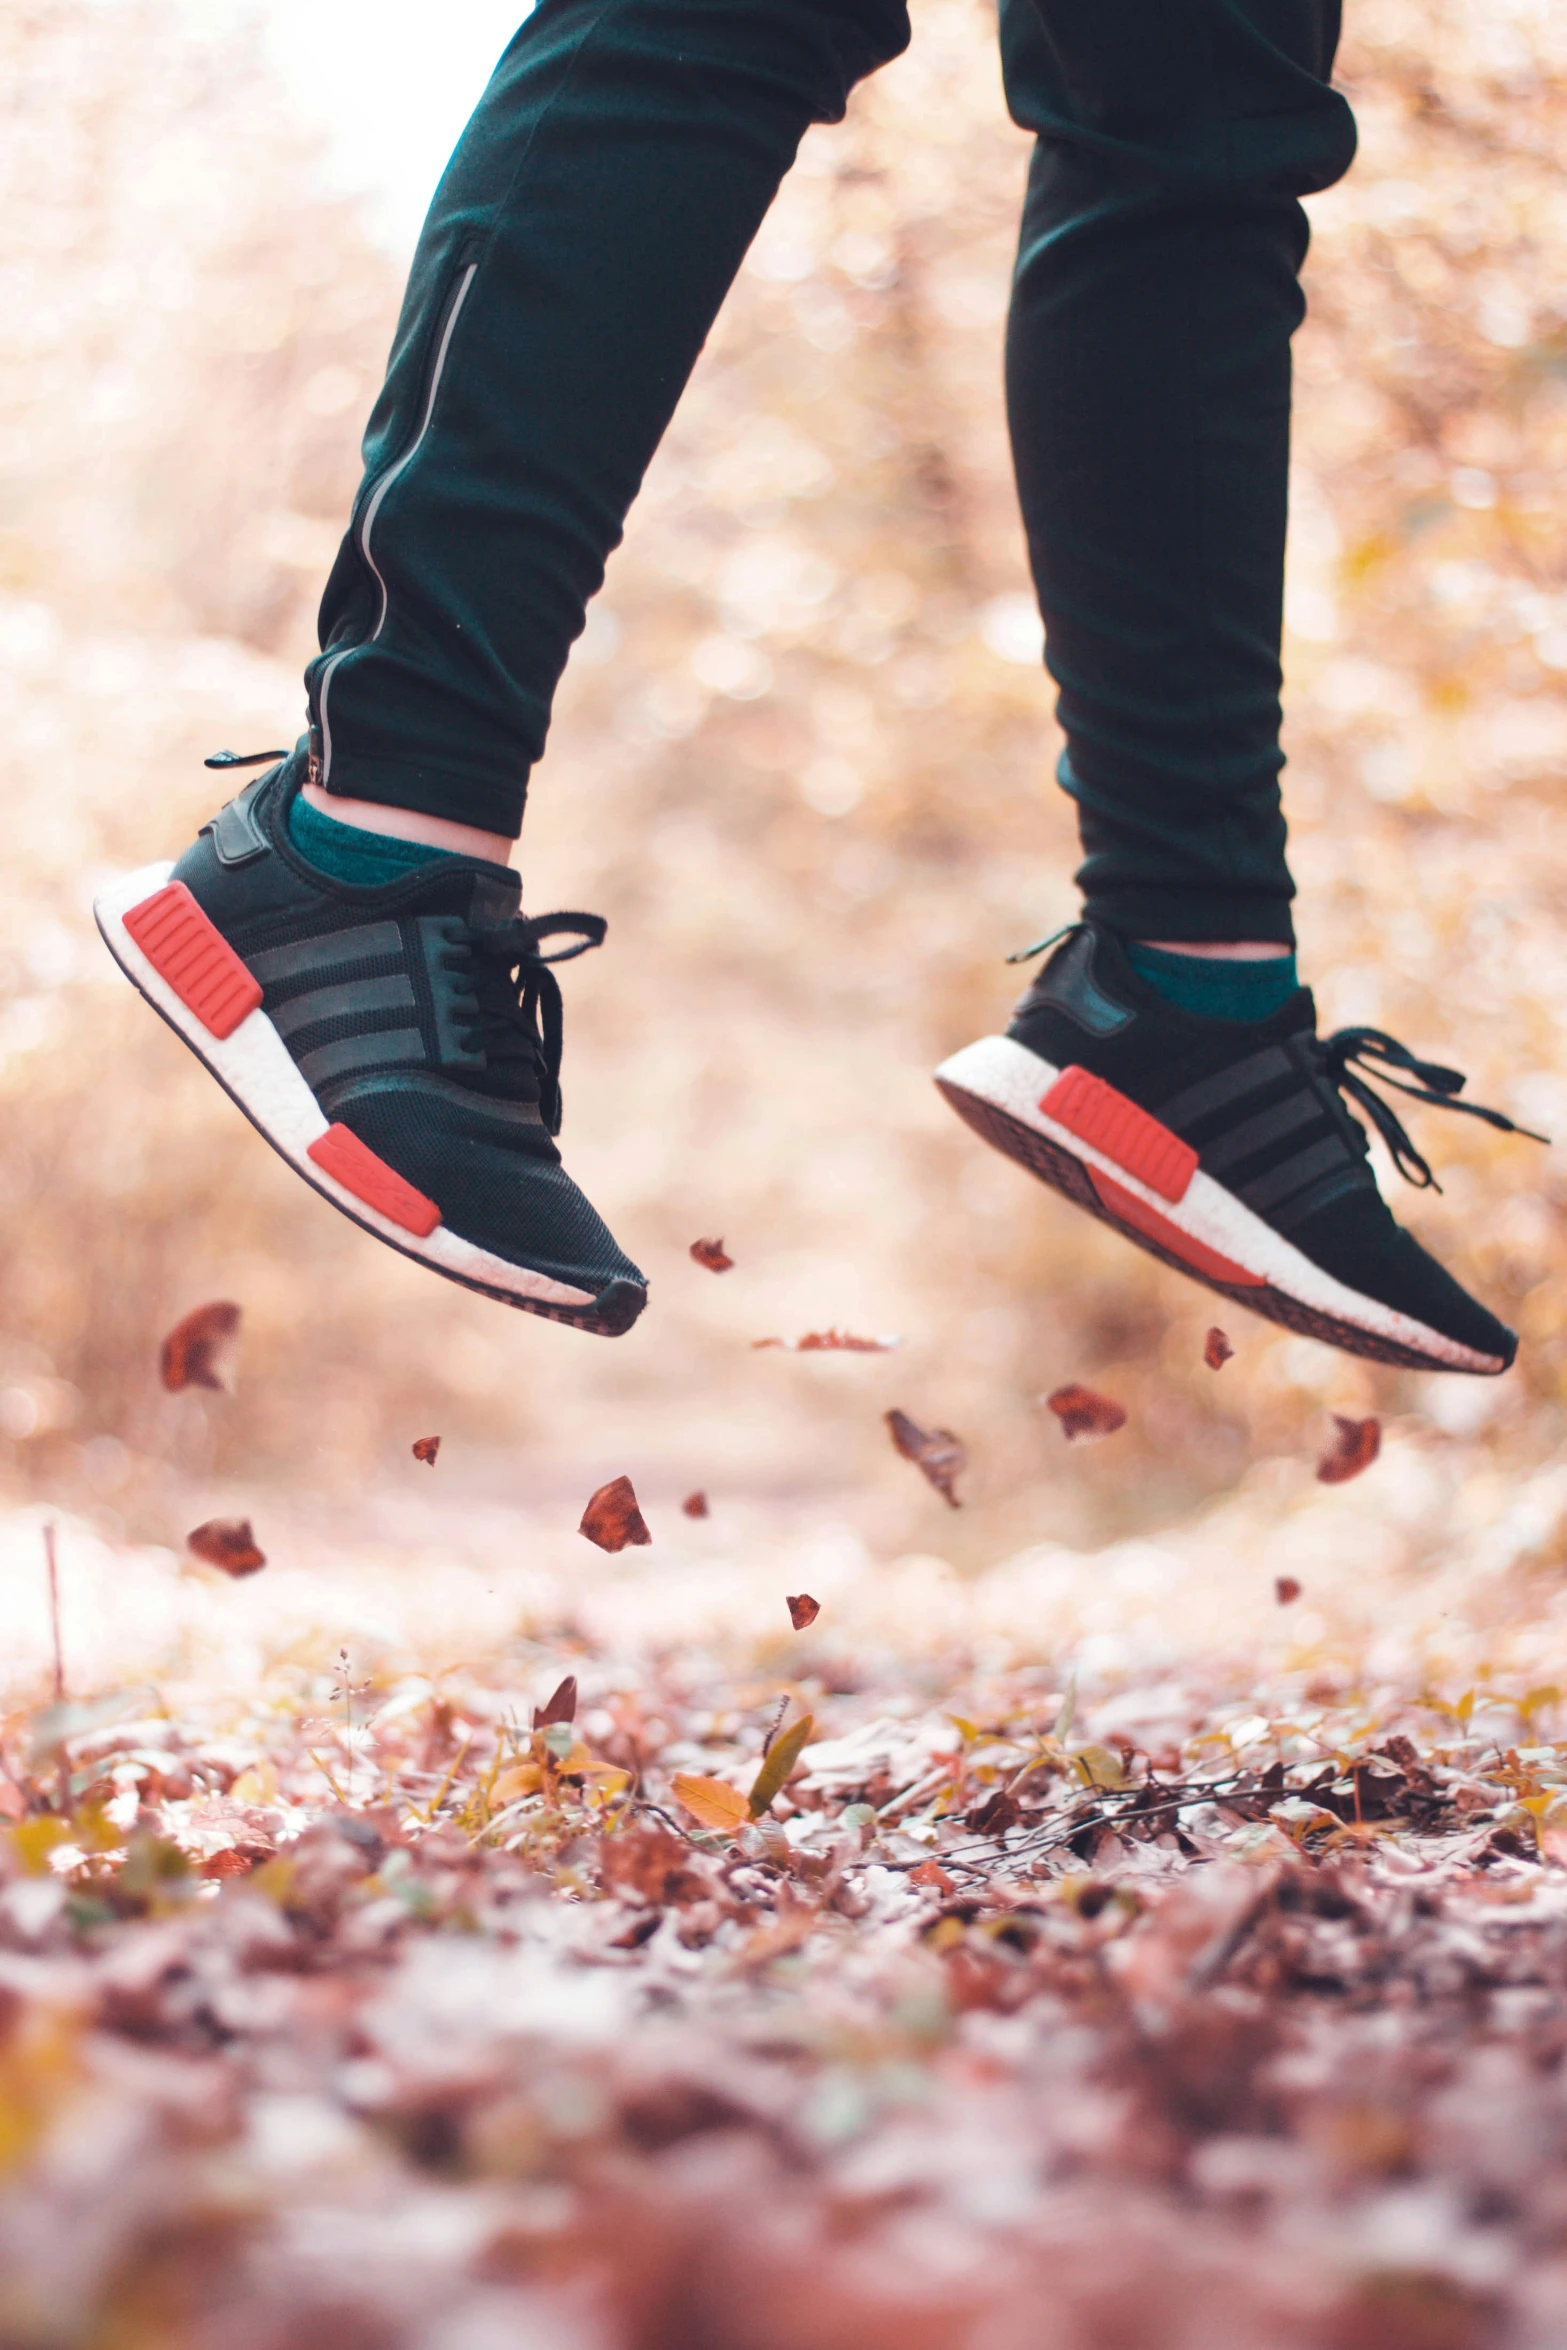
(1125, 2003)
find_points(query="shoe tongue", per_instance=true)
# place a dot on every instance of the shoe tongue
(496, 895)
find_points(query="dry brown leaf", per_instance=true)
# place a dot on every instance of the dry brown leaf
(227, 1543)
(425, 1449)
(230, 1862)
(695, 1505)
(1084, 1414)
(803, 1610)
(933, 1878)
(560, 1706)
(199, 1350)
(1285, 1589)
(1355, 1446)
(936, 1453)
(612, 1518)
(1216, 1349)
(829, 1342)
(712, 1803)
(712, 1254)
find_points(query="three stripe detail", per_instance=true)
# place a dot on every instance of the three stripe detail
(1148, 1147)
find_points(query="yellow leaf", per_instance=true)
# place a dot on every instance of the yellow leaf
(778, 1762)
(521, 1779)
(35, 1839)
(1465, 1707)
(257, 1783)
(1097, 1766)
(711, 1802)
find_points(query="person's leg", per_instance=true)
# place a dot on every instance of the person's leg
(1179, 1094)
(371, 993)
(1148, 379)
(576, 253)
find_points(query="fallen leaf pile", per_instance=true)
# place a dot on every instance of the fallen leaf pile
(1245, 2028)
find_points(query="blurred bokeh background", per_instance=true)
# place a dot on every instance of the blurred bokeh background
(802, 762)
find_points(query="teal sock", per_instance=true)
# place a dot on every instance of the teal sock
(346, 852)
(1213, 988)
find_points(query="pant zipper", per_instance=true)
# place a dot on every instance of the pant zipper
(366, 524)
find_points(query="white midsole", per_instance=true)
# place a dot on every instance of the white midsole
(1004, 1073)
(258, 1069)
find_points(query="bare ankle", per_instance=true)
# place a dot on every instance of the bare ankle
(433, 832)
(1238, 950)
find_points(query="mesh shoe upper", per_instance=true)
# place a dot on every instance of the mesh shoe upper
(422, 1016)
(1260, 1103)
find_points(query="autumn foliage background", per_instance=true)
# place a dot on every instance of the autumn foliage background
(802, 762)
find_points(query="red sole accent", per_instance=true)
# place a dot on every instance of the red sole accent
(1127, 1208)
(1108, 1122)
(340, 1153)
(186, 948)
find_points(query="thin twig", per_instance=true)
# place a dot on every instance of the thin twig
(54, 1612)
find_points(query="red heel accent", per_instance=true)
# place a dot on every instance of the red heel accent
(340, 1153)
(186, 948)
(1127, 1208)
(1108, 1122)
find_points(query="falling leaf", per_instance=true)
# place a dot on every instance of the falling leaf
(829, 1342)
(778, 1762)
(561, 1706)
(425, 1449)
(1084, 1414)
(695, 1505)
(1285, 1589)
(199, 1351)
(711, 1253)
(227, 1543)
(803, 1610)
(1216, 1349)
(936, 1453)
(712, 1803)
(1356, 1444)
(612, 1518)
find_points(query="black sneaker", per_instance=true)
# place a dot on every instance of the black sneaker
(1225, 1148)
(400, 1046)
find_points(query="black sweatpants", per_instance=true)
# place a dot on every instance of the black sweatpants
(577, 250)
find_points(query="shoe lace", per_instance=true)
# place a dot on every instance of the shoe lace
(520, 1019)
(1374, 1048)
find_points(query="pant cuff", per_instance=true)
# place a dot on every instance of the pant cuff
(489, 802)
(1196, 916)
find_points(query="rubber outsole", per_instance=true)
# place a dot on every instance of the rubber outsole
(257, 1056)
(971, 1081)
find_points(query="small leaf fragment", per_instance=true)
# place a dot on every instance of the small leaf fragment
(695, 1505)
(1286, 1590)
(712, 1803)
(228, 1543)
(425, 1449)
(612, 1518)
(803, 1610)
(778, 1762)
(1355, 1446)
(1084, 1414)
(559, 1706)
(713, 1255)
(939, 1456)
(1216, 1349)
(829, 1342)
(199, 1350)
